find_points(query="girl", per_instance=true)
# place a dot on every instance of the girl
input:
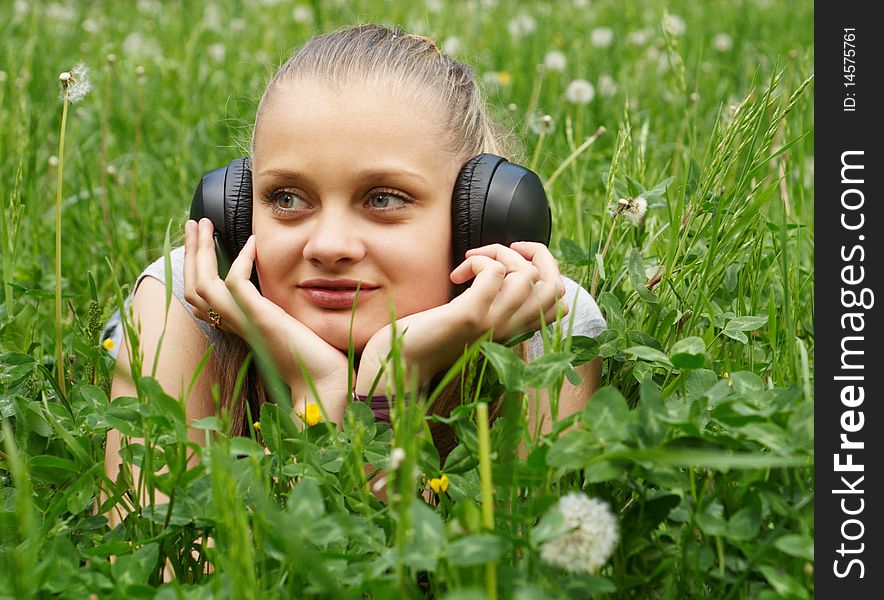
(357, 143)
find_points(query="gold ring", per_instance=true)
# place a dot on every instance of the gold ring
(214, 318)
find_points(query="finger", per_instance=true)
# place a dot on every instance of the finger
(191, 251)
(543, 260)
(489, 276)
(512, 260)
(239, 278)
(207, 262)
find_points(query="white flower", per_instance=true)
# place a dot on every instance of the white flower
(601, 37)
(555, 61)
(675, 24)
(591, 539)
(302, 14)
(521, 25)
(639, 37)
(579, 91)
(722, 42)
(75, 85)
(397, 455)
(607, 85)
(452, 45)
(218, 52)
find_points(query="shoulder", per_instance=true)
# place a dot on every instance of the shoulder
(584, 317)
(150, 304)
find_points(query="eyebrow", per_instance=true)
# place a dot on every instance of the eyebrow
(361, 175)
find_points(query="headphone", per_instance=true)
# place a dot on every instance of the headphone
(494, 201)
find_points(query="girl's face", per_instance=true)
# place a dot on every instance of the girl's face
(351, 186)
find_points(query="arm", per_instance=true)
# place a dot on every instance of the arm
(183, 347)
(571, 400)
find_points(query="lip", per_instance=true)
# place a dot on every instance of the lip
(334, 293)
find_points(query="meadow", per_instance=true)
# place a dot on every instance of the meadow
(698, 115)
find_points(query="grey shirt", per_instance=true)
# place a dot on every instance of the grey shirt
(586, 316)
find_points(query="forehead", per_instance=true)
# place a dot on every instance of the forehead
(307, 125)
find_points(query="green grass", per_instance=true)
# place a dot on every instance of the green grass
(700, 440)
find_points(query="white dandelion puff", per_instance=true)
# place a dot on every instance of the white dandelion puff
(61, 12)
(218, 52)
(521, 25)
(633, 209)
(555, 61)
(579, 91)
(601, 37)
(452, 45)
(302, 14)
(607, 86)
(397, 455)
(542, 124)
(591, 537)
(722, 42)
(435, 6)
(639, 37)
(675, 24)
(75, 84)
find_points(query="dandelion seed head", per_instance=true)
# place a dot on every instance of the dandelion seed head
(722, 42)
(591, 539)
(521, 25)
(601, 37)
(633, 209)
(111, 59)
(555, 61)
(302, 14)
(607, 86)
(53, 161)
(639, 37)
(75, 83)
(452, 45)
(511, 107)
(675, 24)
(218, 52)
(579, 91)
(91, 26)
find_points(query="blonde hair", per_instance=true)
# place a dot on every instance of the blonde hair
(407, 64)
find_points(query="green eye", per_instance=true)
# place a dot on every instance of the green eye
(386, 201)
(285, 200)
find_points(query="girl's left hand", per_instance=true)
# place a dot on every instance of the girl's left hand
(516, 289)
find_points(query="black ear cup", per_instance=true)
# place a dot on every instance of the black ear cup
(496, 202)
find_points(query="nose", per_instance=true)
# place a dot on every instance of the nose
(335, 238)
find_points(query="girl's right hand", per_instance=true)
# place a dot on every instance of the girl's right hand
(244, 311)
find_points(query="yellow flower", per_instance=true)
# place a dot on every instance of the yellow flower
(108, 344)
(257, 425)
(504, 77)
(439, 485)
(312, 415)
